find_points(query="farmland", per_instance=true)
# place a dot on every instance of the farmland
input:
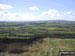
(36, 39)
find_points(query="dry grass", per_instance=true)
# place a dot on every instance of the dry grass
(49, 47)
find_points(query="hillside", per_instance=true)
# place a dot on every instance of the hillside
(41, 38)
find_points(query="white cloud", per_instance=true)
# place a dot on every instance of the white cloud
(33, 8)
(68, 13)
(7, 16)
(5, 6)
(51, 14)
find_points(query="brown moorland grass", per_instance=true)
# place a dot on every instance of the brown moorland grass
(49, 47)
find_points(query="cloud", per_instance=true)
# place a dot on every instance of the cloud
(53, 14)
(7, 16)
(5, 6)
(68, 13)
(50, 14)
(33, 8)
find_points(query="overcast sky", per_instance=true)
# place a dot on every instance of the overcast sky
(33, 10)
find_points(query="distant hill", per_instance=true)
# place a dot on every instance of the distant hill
(44, 22)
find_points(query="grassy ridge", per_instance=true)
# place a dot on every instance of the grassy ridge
(49, 47)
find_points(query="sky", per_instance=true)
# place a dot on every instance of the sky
(37, 10)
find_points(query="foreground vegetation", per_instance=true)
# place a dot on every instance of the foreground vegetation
(49, 47)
